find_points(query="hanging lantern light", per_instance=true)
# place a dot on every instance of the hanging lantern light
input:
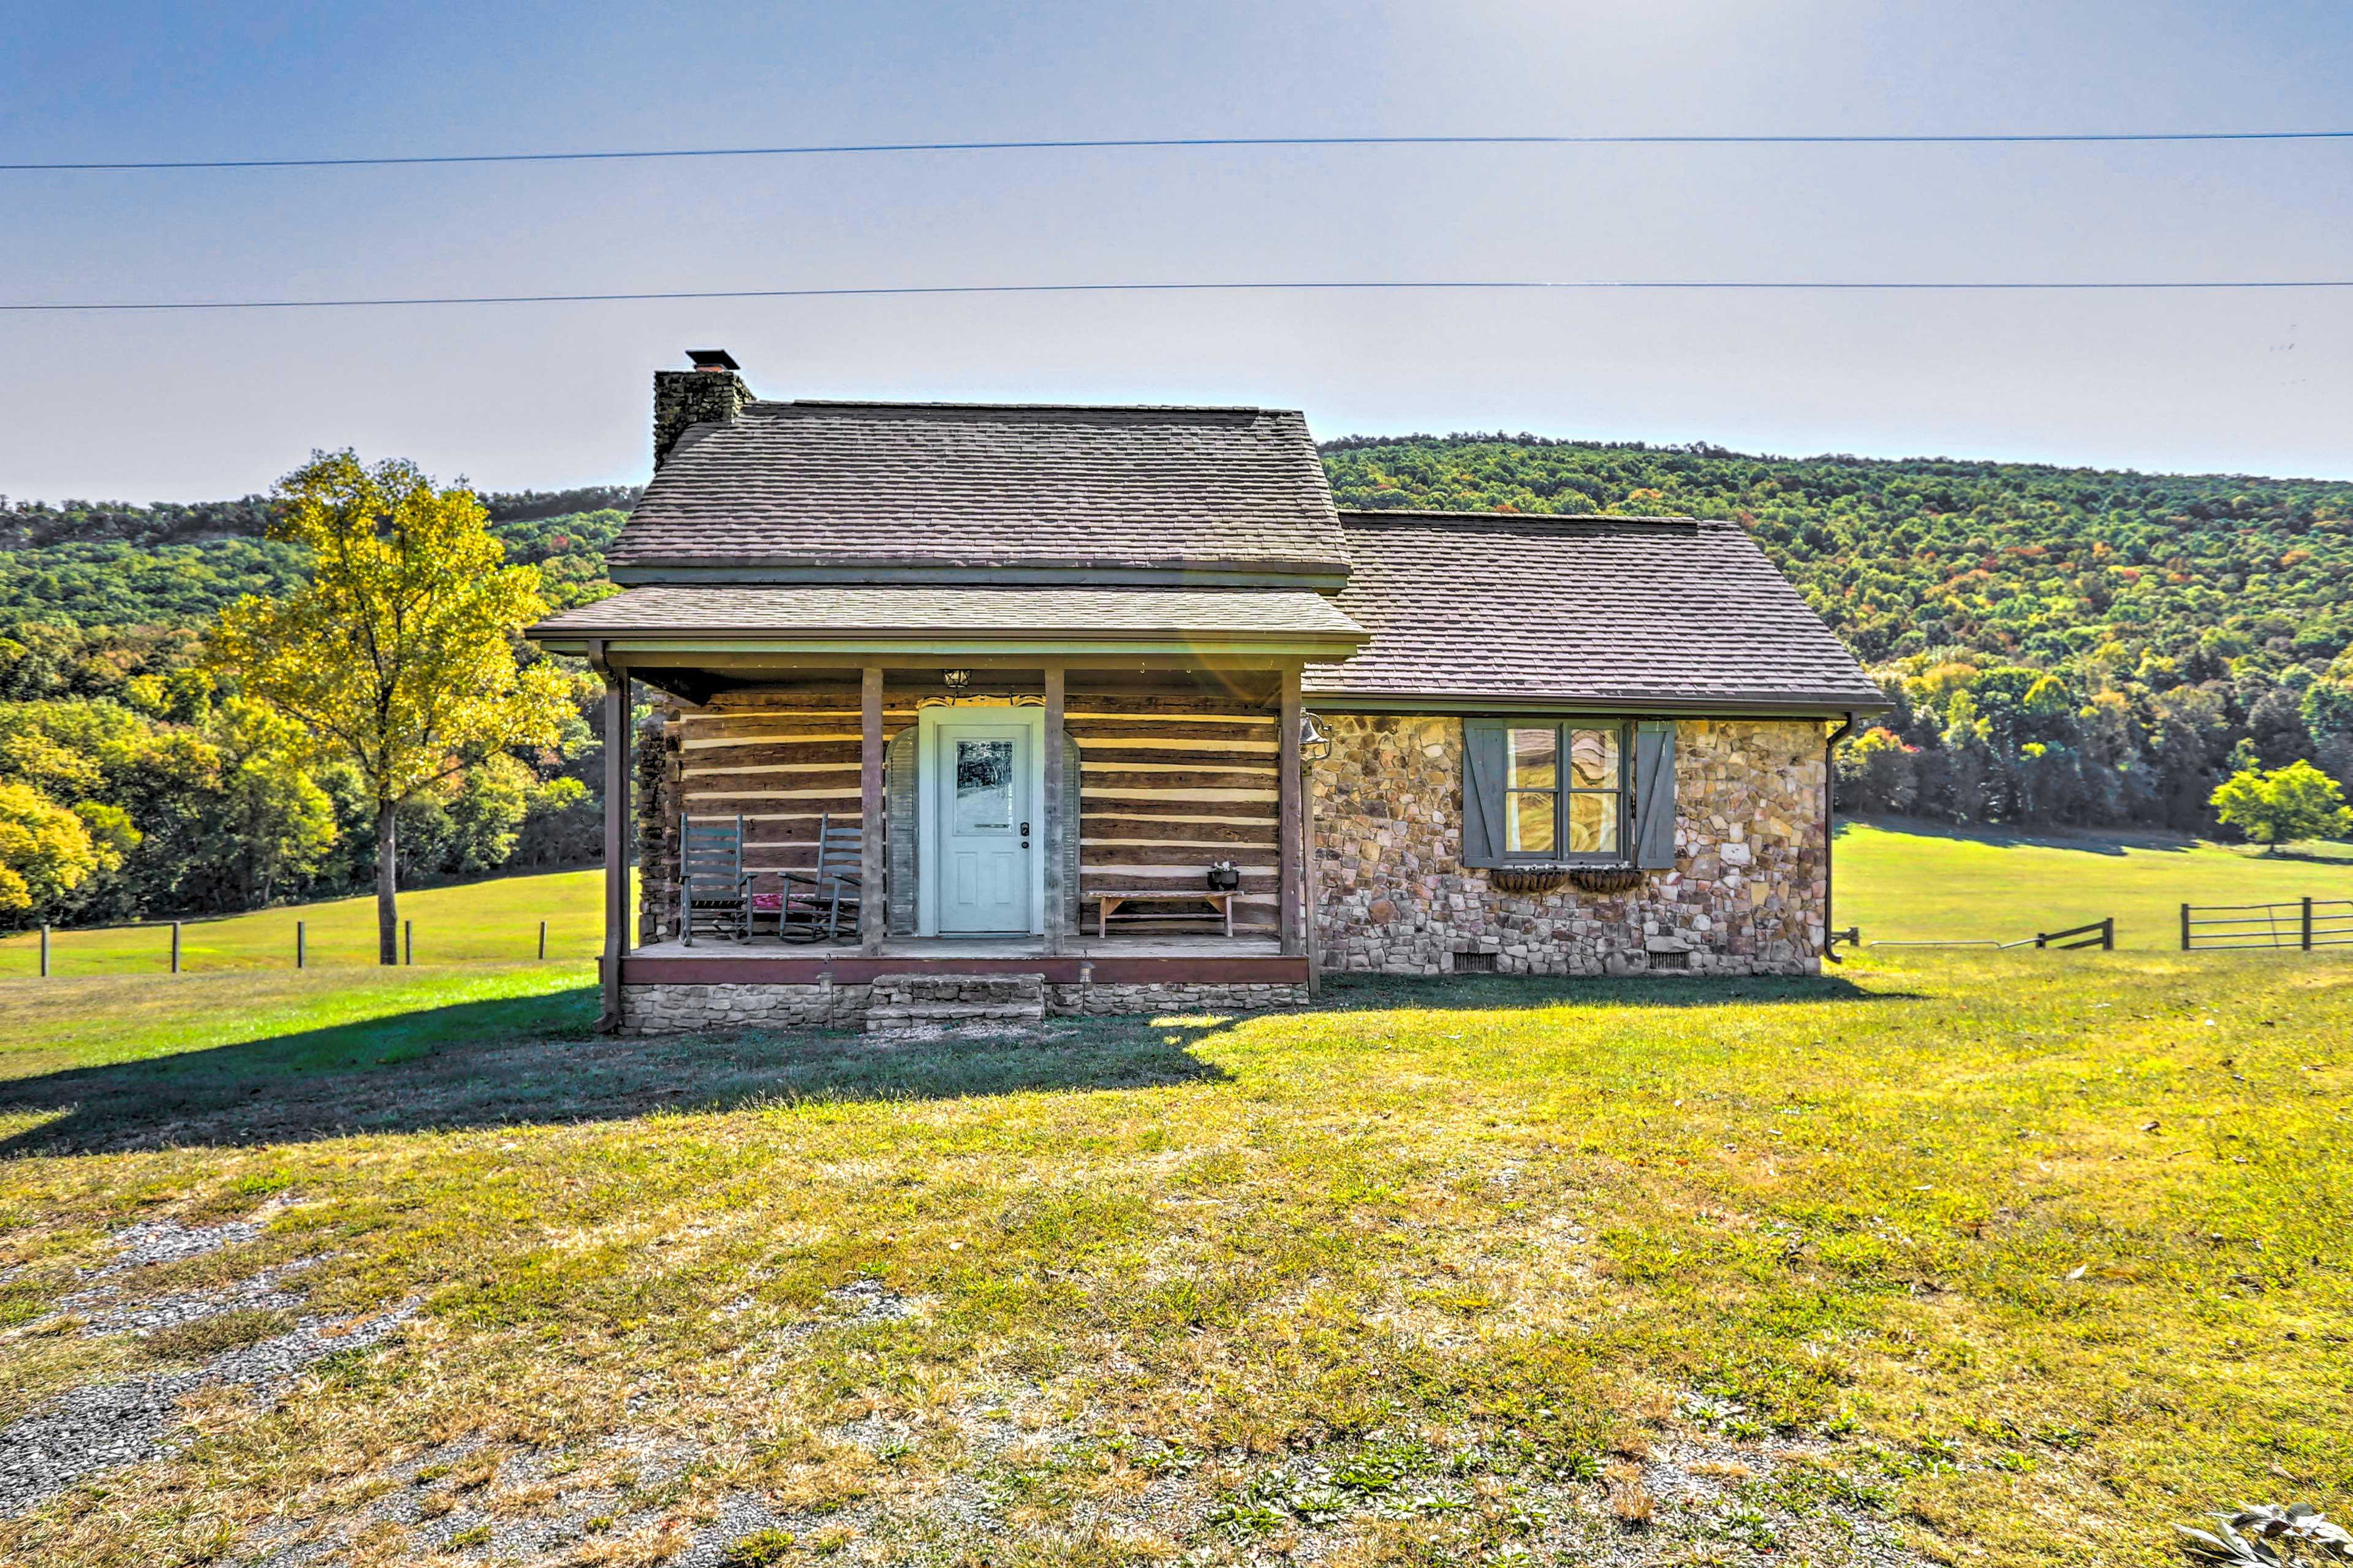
(1315, 743)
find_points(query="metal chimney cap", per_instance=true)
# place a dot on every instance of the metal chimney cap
(713, 359)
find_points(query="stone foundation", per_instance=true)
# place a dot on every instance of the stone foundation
(1745, 895)
(1096, 1001)
(681, 1009)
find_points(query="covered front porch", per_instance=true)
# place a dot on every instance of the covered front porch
(994, 784)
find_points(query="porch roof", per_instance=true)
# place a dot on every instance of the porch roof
(675, 620)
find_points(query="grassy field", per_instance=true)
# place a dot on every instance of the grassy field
(1905, 880)
(494, 921)
(2001, 1259)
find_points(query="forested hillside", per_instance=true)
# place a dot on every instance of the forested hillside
(2061, 646)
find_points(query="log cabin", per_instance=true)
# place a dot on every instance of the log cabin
(1112, 711)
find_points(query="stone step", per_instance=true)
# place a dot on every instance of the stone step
(909, 1000)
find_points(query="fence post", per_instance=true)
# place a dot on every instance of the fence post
(2185, 928)
(409, 942)
(2307, 923)
(45, 950)
(542, 939)
(298, 934)
(175, 947)
(2108, 935)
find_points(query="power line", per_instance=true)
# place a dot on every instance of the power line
(1129, 143)
(1333, 286)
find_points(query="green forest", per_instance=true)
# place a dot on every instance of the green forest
(2061, 646)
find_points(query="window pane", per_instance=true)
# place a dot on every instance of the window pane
(984, 787)
(1593, 823)
(1535, 759)
(1593, 759)
(1529, 820)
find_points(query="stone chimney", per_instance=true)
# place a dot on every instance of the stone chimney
(711, 393)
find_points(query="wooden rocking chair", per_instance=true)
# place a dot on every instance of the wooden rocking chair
(835, 888)
(713, 886)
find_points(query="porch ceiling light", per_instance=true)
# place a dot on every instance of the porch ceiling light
(955, 680)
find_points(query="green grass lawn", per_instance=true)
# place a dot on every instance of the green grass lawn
(2002, 1259)
(1916, 880)
(494, 921)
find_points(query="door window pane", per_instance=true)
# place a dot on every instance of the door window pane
(984, 787)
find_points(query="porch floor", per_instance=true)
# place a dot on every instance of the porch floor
(933, 950)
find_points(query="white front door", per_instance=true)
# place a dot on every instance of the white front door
(983, 796)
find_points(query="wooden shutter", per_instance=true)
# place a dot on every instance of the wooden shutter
(1654, 795)
(1070, 845)
(900, 829)
(1483, 768)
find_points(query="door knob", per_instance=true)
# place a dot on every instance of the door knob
(1025, 830)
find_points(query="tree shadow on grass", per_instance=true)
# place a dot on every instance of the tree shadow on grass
(1469, 992)
(538, 1060)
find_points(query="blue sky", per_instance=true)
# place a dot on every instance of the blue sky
(193, 405)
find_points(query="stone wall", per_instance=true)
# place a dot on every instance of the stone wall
(678, 1008)
(1745, 896)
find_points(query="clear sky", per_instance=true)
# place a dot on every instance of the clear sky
(199, 405)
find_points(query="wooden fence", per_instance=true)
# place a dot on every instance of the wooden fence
(2304, 924)
(2100, 934)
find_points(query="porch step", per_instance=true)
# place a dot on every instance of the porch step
(909, 1000)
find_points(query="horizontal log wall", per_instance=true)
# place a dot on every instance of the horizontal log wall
(1170, 783)
(783, 760)
(1166, 785)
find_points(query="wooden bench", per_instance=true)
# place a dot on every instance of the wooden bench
(1110, 902)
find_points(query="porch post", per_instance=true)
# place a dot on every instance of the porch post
(620, 745)
(1287, 769)
(1057, 896)
(872, 915)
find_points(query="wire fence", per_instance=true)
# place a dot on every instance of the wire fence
(2302, 924)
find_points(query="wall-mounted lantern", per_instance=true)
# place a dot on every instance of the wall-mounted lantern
(1315, 744)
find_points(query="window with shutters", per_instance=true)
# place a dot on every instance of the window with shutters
(1569, 791)
(1561, 794)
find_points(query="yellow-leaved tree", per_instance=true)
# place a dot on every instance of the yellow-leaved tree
(398, 654)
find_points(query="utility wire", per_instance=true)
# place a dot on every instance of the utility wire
(1367, 285)
(1102, 143)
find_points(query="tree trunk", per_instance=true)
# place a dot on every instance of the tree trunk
(387, 879)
